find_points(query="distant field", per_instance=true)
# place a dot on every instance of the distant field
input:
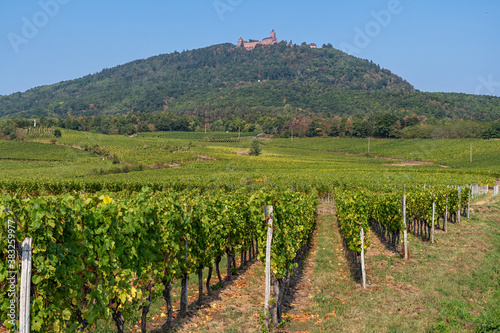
(452, 152)
(33, 151)
(192, 158)
(40, 161)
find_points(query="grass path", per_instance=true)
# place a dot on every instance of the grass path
(452, 286)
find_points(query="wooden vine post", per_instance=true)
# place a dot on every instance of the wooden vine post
(433, 216)
(445, 227)
(269, 219)
(459, 206)
(405, 232)
(363, 271)
(24, 308)
(468, 207)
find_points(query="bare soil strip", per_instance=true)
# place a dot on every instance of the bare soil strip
(235, 308)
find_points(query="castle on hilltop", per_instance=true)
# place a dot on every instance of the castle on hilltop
(266, 41)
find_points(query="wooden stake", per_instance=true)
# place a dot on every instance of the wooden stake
(363, 271)
(269, 218)
(24, 311)
(433, 215)
(184, 286)
(405, 232)
(446, 216)
(468, 207)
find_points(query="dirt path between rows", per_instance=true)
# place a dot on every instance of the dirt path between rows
(300, 315)
(238, 306)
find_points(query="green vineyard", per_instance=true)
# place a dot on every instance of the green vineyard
(125, 248)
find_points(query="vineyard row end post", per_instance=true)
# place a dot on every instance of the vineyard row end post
(24, 310)
(405, 231)
(468, 207)
(433, 215)
(446, 216)
(363, 271)
(268, 211)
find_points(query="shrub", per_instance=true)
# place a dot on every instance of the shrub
(255, 149)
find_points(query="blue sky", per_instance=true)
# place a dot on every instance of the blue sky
(449, 45)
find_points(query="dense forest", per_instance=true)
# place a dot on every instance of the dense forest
(276, 90)
(224, 81)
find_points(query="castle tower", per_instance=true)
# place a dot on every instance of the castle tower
(273, 35)
(240, 42)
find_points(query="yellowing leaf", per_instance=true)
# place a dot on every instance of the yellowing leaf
(123, 298)
(66, 314)
(56, 326)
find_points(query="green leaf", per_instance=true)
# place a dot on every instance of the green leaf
(36, 279)
(36, 324)
(66, 314)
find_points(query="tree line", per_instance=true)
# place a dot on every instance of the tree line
(384, 125)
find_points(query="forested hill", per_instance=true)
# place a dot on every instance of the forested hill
(227, 81)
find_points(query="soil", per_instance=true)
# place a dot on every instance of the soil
(297, 300)
(404, 162)
(223, 308)
(205, 158)
(242, 152)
